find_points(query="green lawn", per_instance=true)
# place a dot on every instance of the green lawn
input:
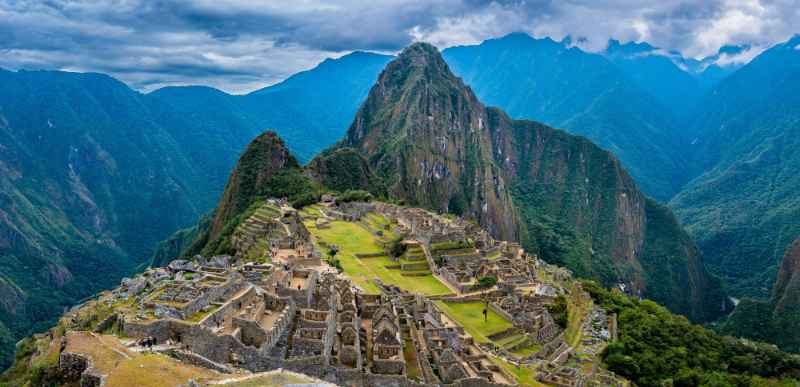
(378, 223)
(527, 351)
(410, 354)
(470, 316)
(352, 238)
(525, 376)
(510, 341)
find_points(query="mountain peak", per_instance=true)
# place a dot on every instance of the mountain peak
(264, 157)
(628, 48)
(419, 64)
(421, 54)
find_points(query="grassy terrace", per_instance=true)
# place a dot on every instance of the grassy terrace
(379, 222)
(156, 370)
(311, 212)
(525, 376)
(578, 305)
(352, 239)
(470, 316)
(274, 378)
(126, 368)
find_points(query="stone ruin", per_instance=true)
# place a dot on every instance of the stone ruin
(237, 313)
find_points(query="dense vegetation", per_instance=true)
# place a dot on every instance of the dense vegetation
(744, 208)
(776, 320)
(657, 348)
(92, 176)
(265, 170)
(560, 311)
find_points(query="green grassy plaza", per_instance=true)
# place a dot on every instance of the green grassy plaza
(351, 239)
(470, 316)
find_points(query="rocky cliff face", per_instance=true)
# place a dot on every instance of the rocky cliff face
(426, 137)
(786, 293)
(423, 133)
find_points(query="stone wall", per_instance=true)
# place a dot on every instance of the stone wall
(251, 333)
(77, 367)
(197, 360)
(228, 307)
(497, 309)
(388, 366)
(227, 289)
(106, 323)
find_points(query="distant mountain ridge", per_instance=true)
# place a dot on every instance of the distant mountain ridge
(93, 174)
(582, 93)
(311, 108)
(85, 161)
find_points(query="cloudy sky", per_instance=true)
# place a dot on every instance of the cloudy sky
(241, 45)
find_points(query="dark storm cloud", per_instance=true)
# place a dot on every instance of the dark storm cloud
(240, 45)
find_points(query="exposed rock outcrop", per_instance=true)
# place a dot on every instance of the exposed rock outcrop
(786, 293)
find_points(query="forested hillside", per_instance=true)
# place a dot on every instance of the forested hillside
(743, 209)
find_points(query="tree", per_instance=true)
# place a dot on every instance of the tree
(332, 251)
(397, 247)
(488, 281)
(559, 311)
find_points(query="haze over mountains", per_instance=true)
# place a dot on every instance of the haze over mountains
(95, 174)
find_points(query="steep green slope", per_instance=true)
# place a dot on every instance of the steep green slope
(91, 180)
(426, 137)
(777, 320)
(744, 209)
(580, 92)
(264, 170)
(422, 131)
(657, 348)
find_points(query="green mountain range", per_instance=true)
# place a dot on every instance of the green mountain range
(311, 109)
(582, 93)
(743, 209)
(91, 179)
(93, 174)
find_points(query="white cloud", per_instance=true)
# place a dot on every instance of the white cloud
(240, 45)
(740, 58)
